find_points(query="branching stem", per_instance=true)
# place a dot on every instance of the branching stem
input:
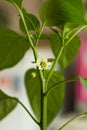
(79, 30)
(54, 64)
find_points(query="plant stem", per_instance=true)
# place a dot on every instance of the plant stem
(37, 122)
(40, 32)
(24, 22)
(43, 97)
(43, 119)
(44, 112)
(60, 52)
(62, 82)
(54, 64)
(73, 119)
(83, 27)
(43, 123)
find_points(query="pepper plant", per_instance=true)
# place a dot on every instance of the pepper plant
(44, 85)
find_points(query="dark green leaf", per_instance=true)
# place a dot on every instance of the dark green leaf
(17, 2)
(56, 43)
(78, 5)
(7, 104)
(33, 90)
(69, 51)
(12, 48)
(54, 99)
(59, 12)
(31, 21)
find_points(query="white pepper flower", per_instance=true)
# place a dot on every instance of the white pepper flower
(43, 64)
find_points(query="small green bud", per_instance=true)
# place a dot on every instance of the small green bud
(33, 74)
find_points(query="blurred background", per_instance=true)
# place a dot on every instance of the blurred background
(12, 80)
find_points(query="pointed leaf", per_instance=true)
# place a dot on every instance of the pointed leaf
(69, 51)
(7, 104)
(54, 99)
(31, 21)
(12, 48)
(62, 11)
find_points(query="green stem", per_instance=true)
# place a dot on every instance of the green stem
(37, 122)
(43, 97)
(35, 54)
(54, 64)
(43, 123)
(40, 72)
(83, 27)
(61, 82)
(60, 52)
(44, 112)
(24, 22)
(73, 119)
(40, 32)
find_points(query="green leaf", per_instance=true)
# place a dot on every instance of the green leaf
(69, 51)
(33, 90)
(62, 11)
(12, 48)
(68, 29)
(31, 21)
(54, 98)
(83, 81)
(7, 104)
(80, 6)
(17, 2)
